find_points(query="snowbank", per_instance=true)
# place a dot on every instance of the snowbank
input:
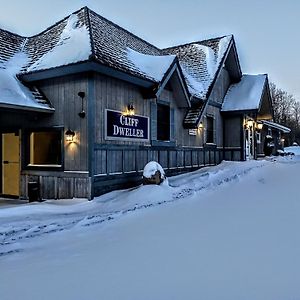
(293, 149)
(219, 242)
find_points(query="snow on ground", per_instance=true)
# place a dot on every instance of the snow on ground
(228, 232)
(293, 149)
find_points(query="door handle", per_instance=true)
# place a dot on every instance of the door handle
(5, 162)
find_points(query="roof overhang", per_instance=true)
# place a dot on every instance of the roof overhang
(175, 77)
(83, 67)
(13, 107)
(277, 126)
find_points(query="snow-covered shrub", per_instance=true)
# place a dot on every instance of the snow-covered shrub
(153, 173)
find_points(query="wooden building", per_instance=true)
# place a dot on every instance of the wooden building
(85, 104)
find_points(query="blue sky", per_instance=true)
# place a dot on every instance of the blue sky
(266, 32)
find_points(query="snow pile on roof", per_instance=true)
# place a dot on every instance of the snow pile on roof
(200, 62)
(154, 66)
(12, 91)
(151, 168)
(246, 94)
(212, 58)
(73, 46)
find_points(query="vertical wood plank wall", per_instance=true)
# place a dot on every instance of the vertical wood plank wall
(74, 180)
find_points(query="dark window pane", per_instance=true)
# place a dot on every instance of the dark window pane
(45, 148)
(209, 129)
(163, 122)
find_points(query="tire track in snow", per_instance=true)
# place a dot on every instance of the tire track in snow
(33, 229)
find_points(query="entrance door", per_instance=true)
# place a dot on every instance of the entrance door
(10, 164)
(250, 146)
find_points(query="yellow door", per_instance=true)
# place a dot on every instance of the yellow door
(10, 164)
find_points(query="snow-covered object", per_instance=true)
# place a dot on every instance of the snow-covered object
(151, 168)
(73, 46)
(12, 91)
(246, 94)
(293, 149)
(154, 66)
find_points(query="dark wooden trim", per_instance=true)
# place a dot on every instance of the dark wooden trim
(1, 171)
(163, 143)
(215, 104)
(91, 129)
(85, 67)
(25, 144)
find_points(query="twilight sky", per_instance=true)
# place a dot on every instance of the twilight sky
(266, 31)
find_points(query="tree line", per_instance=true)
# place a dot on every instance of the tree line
(286, 112)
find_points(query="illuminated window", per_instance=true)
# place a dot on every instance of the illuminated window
(45, 148)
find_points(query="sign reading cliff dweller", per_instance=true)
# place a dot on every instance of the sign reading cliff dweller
(125, 127)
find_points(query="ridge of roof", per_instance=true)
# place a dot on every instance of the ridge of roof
(198, 42)
(123, 29)
(12, 33)
(56, 23)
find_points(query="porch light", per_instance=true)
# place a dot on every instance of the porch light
(259, 126)
(200, 125)
(250, 123)
(69, 135)
(130, 109)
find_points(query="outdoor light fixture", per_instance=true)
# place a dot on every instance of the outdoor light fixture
(82, 113)
(200, 125)
(259, 126)
(69, 135)
(250, 123)
(130, 109)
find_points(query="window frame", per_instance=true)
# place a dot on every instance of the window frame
(26, 149)
(166, 106)
(212, 131)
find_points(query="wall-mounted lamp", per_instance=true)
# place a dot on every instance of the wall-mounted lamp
(200, 125)
(259, 126)
(130, 109)
(82, 113)
(69, 135)
(250, 123)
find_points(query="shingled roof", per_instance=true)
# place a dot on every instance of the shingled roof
(91, 37)
(14, 93)
(200, 62)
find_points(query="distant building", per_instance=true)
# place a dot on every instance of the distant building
(85, 104)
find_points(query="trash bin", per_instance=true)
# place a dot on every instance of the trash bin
(33, 191)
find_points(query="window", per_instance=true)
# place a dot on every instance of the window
(258, 137)
(45, 148)
(209, 130)
(163, 122)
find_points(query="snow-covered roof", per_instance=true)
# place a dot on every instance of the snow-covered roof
(154, 66)
(13, 93)
(280, 127)
(246, 94)
(73, 46)
(86, 36)
(200, 62)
